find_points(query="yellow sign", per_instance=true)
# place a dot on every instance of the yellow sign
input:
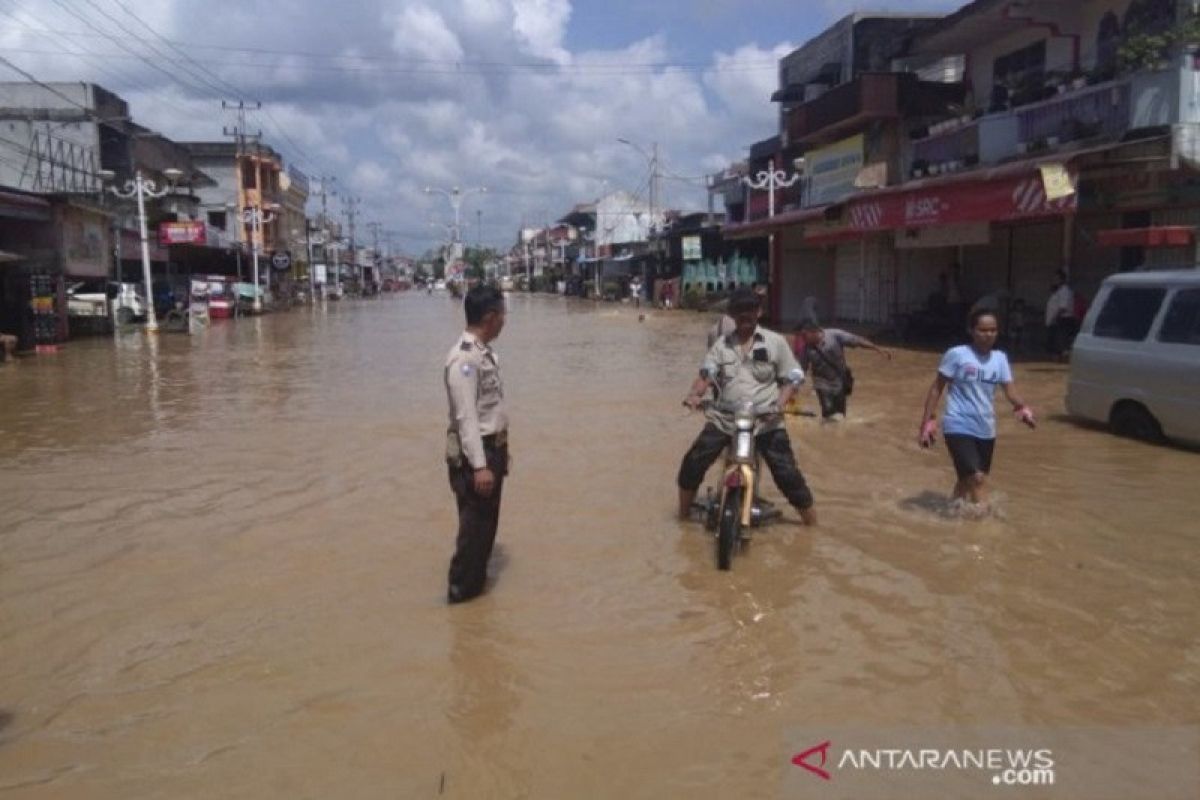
(1057, 181)
(832, 170)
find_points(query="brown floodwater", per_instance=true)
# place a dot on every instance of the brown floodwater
(223, 561)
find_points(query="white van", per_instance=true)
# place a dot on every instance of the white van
(1136, 362)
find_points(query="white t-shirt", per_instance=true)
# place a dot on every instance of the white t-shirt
(1062, 300)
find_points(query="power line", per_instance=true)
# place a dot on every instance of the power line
(216, 81)
(89, 23)
(468, 63)
(461, 69)
(154, 49)
(121, 78)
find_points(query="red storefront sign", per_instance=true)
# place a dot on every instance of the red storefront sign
(181, 233)
(1000, 200)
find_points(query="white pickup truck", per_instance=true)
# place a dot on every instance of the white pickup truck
(94, 298)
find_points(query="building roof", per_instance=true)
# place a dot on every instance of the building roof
(973, 24)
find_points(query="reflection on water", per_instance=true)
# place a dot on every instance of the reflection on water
(222, 564)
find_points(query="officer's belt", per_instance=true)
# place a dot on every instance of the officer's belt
(498, 439)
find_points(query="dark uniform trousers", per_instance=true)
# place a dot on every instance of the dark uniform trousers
(774, 447)
(832, 402)
(478, 518)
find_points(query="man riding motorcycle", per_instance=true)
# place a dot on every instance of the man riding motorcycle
(751, 364)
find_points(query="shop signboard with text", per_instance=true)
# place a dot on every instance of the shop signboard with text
(181, 233)
(832, 170)
(1000, 200)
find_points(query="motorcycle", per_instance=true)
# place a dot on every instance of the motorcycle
(736, 507)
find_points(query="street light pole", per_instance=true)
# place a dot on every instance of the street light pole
(771, 179)
(140, 187)
(255, 216)
(456, 195)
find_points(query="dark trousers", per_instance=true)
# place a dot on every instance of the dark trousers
(774, 447)
(478, 518)
(1061, 335)
(832, 402)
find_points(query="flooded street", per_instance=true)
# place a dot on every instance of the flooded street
(223, 563)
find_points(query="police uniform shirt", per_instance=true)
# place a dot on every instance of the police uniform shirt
(476, 397)
(753, 372)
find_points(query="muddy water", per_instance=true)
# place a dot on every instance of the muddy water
(222, 564)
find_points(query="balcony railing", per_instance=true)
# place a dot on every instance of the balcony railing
(1100, 112)
(1093, 111)
(871, 96)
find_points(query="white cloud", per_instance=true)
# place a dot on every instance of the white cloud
(421, 32)
(409, 93)
(746, 93)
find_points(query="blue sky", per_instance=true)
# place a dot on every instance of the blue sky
(527, 97)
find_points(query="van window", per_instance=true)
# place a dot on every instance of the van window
(1182, 323)
(1128, 313)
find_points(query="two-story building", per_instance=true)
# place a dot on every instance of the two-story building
(248, 177)
(62, 145)
(1009, 140)
(843, 108)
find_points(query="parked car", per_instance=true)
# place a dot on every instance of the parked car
(95, 298)
(1136, 361)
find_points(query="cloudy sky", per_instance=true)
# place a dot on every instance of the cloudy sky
(526, 97)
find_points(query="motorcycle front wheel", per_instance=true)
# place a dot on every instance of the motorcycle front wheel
(729, 530)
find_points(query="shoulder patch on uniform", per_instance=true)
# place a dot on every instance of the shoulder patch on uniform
(466, 347)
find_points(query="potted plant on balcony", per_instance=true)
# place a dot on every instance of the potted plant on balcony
(1144, 51)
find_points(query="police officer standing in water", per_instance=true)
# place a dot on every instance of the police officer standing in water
(749, 364)
(477, 441)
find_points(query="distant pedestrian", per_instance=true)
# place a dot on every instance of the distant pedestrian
(635, 291)
(668, 293)
(824, 360)
(1061, 322)
(477, 440)
(972, 372)
(808, 310)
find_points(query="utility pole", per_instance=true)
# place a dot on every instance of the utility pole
(374, 227)
(325, 181)
(240, 137)
(351, 212)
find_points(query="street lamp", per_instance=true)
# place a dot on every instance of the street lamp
(256, 218)
(140, 188)
(771, 179)
(455, 196)
(309, 241)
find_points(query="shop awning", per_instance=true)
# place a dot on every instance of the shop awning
(767, 225)
(1000, 194)
(1160, 236)
(16, 205)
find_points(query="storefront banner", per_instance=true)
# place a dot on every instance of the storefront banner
(85, 243)
(833, 170)
(691, 248)
(995, 201)
(964, 234)
(181, 233)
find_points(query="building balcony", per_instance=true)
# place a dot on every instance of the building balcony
(1077, 114)
(872, 96)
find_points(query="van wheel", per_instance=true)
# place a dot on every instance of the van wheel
(1135, 422)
